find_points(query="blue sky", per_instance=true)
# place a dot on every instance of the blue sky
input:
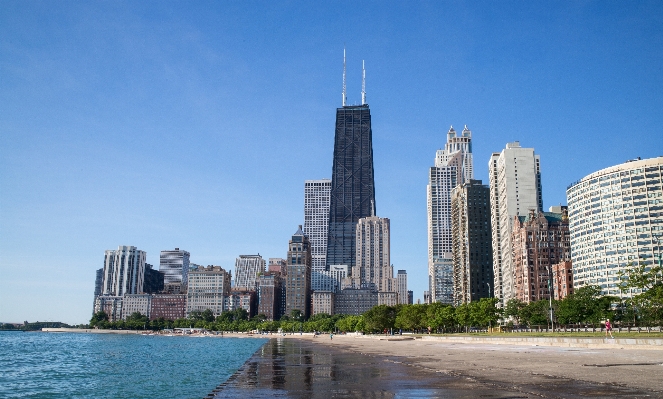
(194, 125)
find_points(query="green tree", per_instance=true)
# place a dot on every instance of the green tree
(411, 317)
(639, 277)
(380, 317)
(296, 314)
(484, 312)
(535, 313)
(513, 308)
(462, 315)
(98, 319)
(585, 305)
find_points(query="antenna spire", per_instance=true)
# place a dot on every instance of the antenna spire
(344, 98)
(363, 83)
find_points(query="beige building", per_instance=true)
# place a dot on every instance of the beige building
(207, 288)
(323, 302)
(133, 303)
(373, 269)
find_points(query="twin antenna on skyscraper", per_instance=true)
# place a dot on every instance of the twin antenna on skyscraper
(363, 82)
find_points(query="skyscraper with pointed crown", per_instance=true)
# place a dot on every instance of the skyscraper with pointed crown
(453, 166)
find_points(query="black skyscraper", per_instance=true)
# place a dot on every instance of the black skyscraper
(353, 185)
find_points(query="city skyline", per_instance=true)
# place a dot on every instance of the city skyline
(226, 105)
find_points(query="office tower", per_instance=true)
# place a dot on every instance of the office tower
(153, 280)
(453, 166)
(373, 268)
(515, 188)
(316, 220)
(401, 276)
(355, 301)
(277, 265)
(562, 279)
(98, 286)
(124, 270)
(352, 194)
(471, 239)
(99, 282)
(247, 269)
(616, 221)
(298, 280)
(167, 306)
(270, 295)
(329, 280)
(540, 240)
(207, 288)
(410, 297)
(175, 268)
(136, 303)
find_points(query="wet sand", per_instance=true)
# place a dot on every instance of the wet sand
(357, 367)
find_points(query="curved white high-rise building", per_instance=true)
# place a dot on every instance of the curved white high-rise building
(615, 219)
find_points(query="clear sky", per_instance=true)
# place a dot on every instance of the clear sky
(194, 124)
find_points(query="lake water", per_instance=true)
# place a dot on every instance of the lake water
(79, 365)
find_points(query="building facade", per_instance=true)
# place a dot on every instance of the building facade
(355, 301)
(540, 240)
(316, 220)
(124, 271)
(373, 268)
(352, 194)
(154, 280)
(247, 300)
(329, 280)
(247, 270)
(615, 220)
(175, 268)
(515, 188)
(298, 279)
(168, 306)
(401, 278)
(277, 265)
(453, 166)
(270, 295)
(136, 303)
(562, 279)
(207, 288)
(109, 304)
(323, 302)
(471, 239)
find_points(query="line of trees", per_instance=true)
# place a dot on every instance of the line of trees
(584, 307)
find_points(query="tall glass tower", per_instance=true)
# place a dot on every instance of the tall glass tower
(352, 194)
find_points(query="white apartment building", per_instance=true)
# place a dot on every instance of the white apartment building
(208, 286)
(316, 221)
(453, 166)
(615, 220)
(247, 268)
(124, 271)
(515, 188)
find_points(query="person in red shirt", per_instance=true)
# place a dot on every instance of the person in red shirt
(608, 329)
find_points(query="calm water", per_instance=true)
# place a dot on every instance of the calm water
(65, 365)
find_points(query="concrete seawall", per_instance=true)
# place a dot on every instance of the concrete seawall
(90, 330)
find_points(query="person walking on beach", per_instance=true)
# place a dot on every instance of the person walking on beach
(331, 336)
(608, 329)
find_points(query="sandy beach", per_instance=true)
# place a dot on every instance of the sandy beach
(406, 367)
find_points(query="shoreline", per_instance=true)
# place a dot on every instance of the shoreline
(563, 342)
(296, 366)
